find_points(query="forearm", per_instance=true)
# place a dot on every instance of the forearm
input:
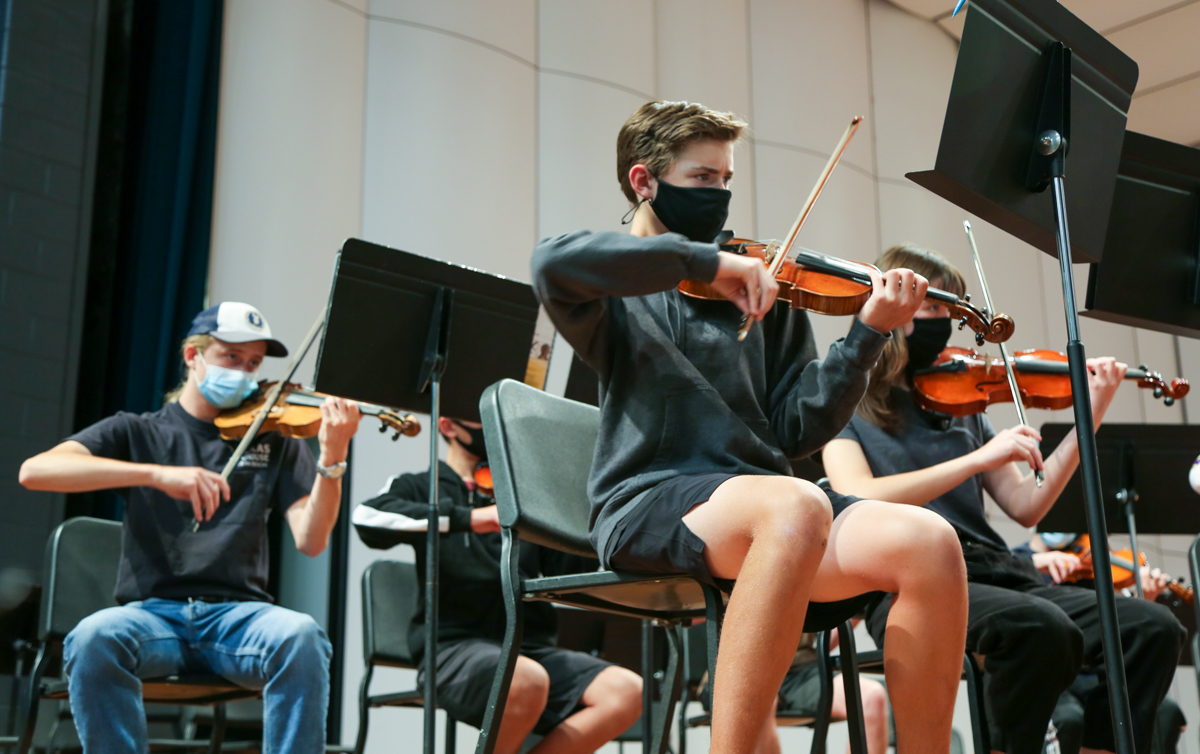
(314, 518)
(910, 488)
(68, 471)
(1028, 504)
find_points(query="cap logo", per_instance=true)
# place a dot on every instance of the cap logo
(255, 319)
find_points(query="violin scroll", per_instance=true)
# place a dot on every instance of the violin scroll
(997, 328)
(1169, 392)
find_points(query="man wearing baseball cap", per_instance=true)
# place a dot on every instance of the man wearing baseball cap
(192, 582)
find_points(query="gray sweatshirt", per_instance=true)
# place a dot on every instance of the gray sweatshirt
(679, 394)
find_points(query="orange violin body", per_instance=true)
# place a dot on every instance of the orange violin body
(962, 382)
(297, 413)
(483, 478)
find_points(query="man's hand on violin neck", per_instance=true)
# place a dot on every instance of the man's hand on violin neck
(744, 281)
(896, 296)
(339, 422)
(1104, 378)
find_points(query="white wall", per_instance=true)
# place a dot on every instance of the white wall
(467, 129)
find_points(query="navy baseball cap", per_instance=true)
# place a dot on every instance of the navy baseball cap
(235, 322)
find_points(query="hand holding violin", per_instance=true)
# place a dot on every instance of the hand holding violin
(1154, 582)
(1019, 443)
(895, 297)
(746, 282)
(1056, 564)
(339, 422)
(485, 520)
(1104, 377)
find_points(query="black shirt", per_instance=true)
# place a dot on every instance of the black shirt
(922, 442)
(160, 554)
(470, 601)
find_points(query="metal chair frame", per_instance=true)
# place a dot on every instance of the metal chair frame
(393, 584)
(82, 555)
(541, 448)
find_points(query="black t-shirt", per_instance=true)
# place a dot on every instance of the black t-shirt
(924, 441)
(160, 554)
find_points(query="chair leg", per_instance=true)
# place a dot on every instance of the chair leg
(514, 624)
(979, 731)
(33, 698)
(714, 617)
(854, 704)
(217, 735)
(364, 709)
(647, 686)
(685, 694)
(451, 734)
(825, 698)
(664, 707)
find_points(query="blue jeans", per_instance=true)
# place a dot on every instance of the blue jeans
(252, 644)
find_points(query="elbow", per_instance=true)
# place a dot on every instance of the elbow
(28, 476)
(312, 547)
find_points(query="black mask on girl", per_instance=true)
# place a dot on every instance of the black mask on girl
(929, 338)
(476, 446)
(698, 213)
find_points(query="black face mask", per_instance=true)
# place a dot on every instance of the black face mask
(929, 338)
(476, 446)
(698, 213)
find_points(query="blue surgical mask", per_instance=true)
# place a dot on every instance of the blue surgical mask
(226, 388)
(1056, 540)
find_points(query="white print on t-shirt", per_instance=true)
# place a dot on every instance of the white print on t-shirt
(256, 457)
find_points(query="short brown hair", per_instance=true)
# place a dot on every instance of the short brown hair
(656, 134)
(876, 405)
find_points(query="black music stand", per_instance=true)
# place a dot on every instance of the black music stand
(1032, 81)
(388, 340)
(1151, 272)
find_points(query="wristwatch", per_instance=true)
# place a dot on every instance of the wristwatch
(333, 471)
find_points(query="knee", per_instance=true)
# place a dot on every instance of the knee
(1159, 630)
(302, 640)
(530, 689)
(97, 640)
(621, 689)
(1054, 638)
(874, 698)
(798, 511)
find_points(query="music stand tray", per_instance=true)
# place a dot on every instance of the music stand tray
(1153, 459)
(1149, 277)
(993, 110)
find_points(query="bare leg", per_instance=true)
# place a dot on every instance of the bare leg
(914, 554)
(526, 701)
(768, 740)
(611, 703)
(875, 719)
(769, 533)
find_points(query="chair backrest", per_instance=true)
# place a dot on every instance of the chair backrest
(389, 604)
(540, 451)
(79, 574)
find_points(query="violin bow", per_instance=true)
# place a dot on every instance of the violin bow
(271, 399)
(1038, 474)
(777, 262)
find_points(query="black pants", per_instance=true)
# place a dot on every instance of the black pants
(1069, 714)
(1036, 638)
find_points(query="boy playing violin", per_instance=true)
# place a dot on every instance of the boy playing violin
(691, 472)
(193, 574)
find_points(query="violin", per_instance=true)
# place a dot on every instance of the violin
(483, 478)
(298, 414)
(962, 382)
(1122, 568)
(828, 285)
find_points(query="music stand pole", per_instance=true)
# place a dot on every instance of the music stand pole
(1089, 467)
(432, 368)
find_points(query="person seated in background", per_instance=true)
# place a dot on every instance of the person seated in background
(1033, 639)
(576, 701)
(192, 581)
(800, 695)
(1051, 556)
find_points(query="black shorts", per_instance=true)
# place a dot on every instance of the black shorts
(466, 669)
(652, 538)
(800, 693)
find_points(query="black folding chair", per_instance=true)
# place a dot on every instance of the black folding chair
(540, 449)
(79, 576)
(389, 603)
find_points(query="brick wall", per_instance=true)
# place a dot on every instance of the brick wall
(49, 112)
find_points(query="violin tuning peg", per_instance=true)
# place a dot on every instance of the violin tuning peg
(967, 297)
(1143, 367)
(1168, 401)
(396, 436)
(962, 323)
(1158, 391)
(979, 339)
(382, 428)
